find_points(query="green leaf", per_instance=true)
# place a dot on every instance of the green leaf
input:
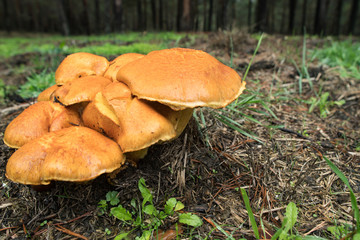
(179, 206)
(102, 204)
(122, 236)
(121, 213)
(112, 198)
(170, 205)
(190, 219)
(145, 192)
(356, 236)
(291, 215)
(145, 235)
(150, 210)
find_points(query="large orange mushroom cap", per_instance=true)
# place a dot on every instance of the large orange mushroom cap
(73, 154)
(37, 120)
(182, 78)
(119, 62)
(80, 90)
(78, 65)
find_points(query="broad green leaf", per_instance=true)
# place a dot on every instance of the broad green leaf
(150, 210)
(121, 213)
(145, 235)
(179, 206)
(170, 205)
(291, 215)
(356, 236)
(190, 219)
(121, 236)
(145, 192)
(112, 198)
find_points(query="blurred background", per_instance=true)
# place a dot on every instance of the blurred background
(80, 17)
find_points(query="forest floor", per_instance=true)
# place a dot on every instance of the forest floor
(206, 167)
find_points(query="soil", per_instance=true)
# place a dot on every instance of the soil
(206, 167)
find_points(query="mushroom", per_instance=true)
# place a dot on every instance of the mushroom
(182, 78)
(79, 65)
(47, 94)
(38, 119)
(75, 154)
(132, 123)
(80, 90)
(119, 62)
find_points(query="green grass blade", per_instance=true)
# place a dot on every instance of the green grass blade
(250, 213)
(234, 125)
(253, 56)
(354, 205)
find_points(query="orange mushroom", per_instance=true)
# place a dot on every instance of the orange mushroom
(38, 119)
(80, 90)
(79, 65)
(75, 154)
(119, 62)
(182, 78)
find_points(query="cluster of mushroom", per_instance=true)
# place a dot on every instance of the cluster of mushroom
(99, 113)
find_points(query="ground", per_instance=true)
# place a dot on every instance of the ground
(206, 167)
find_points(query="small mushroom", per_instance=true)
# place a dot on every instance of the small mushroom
(75, 154)
(47, 94)
(134, 124)
(80, 90)
(79, 65)
(182, 78)
(38, 119)
(118, 63)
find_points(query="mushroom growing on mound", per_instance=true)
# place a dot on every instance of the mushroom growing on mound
(126, 106)
(75, 154)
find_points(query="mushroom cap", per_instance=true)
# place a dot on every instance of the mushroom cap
(78, 65)
(74, 154)
(38, 119)
(140, 125)
(47, 94)
(80, 90)
(118, 63)
(182, 78)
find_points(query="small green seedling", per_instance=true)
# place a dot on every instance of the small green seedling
(323, 103)
(143, 216)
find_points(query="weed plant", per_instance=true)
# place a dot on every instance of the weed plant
(343, 56)
(36, 83)
(143, 216)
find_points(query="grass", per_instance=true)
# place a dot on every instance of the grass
(121, 43)
(343, 56)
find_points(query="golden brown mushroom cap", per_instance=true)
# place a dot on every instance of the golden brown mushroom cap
(78, 65)
(140, 125)
(80, 90)
(47, 94)
(38, 119)
(182, 78)
(118, 63)
(73, 154)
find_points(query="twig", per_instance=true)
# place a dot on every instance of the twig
(67, 231)
(75, 219)
(3, 229)
(293, 132)
(9, 110)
